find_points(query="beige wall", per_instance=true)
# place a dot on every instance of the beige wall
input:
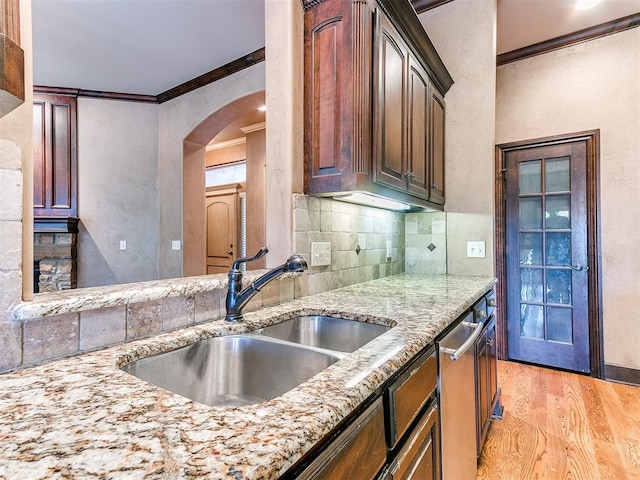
(256, 198)
(178, 118)
(464, 32)
(118, 193)
(284, 143)
(592, 85)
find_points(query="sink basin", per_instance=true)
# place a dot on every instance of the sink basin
(333, 333)
(233, 370)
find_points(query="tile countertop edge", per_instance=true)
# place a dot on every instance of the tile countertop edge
(59, 418)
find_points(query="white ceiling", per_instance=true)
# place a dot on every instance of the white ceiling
(150, 46)
(139, 46)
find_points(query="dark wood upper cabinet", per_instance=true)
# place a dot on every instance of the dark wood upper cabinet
(374, 102)
(390, 109)
(55, 170)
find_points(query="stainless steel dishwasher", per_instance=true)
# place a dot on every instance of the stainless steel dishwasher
(456, 381)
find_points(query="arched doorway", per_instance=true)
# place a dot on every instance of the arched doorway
(222, 124)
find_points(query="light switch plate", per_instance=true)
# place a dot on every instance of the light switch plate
(389, 248)
(475, 249)
(320, 254)
(123, 244)
(175, 244)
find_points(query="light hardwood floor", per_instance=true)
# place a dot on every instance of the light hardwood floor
(559, 425)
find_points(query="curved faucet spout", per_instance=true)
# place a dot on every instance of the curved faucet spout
(238, 298)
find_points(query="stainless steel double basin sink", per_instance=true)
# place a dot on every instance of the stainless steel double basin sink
(251, 368)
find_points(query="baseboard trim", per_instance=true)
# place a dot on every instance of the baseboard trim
(622, 374)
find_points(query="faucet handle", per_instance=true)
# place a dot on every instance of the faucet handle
(261, 253)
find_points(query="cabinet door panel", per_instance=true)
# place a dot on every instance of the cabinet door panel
(436, 191)
(61, 155)
(481, 388)
(55, 174)
(326, 108)
(418, 144)
(359, 453)
(39, 157)
(391, 107)
(419, 459)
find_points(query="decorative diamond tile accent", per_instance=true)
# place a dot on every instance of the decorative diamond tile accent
(431, 247)
(357, 249)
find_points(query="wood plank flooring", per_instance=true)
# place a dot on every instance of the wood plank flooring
(562, 426)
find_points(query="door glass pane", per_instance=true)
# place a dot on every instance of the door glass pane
(531, 249)
(559, 286)
(558, 249)
(557, 175)
(530, 213)
(531, 285)
(530, 177)
(559, 324)
(557, 214)
(531, 321)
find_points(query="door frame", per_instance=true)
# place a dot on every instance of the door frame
(235, 189)
(594, 286)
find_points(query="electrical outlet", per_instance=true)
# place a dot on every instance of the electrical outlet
(175, 244)
(123, 244)
(475, 249)
(389, 248)
(320, 254)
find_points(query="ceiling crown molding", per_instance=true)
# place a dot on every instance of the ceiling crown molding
(254, 128)
(584, 35)
(230, 68)
(226, 144)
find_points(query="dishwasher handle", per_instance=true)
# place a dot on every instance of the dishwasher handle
(457, 353)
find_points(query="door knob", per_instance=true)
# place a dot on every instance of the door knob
(579, 267)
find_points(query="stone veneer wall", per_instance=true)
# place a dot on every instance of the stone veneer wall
(53, 336)
(57, 257)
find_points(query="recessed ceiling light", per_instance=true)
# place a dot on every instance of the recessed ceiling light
(584, 4)
(263, 108)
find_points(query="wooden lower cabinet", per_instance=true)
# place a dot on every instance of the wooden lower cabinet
(419, 458)
(413, 426)
(397, 437)
(486, 381)
(358, 453)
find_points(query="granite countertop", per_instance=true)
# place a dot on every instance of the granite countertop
(82, 417)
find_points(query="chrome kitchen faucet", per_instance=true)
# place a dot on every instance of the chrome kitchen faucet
(238, 298)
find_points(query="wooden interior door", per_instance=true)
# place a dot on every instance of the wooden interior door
(222, 231)
(547, 264)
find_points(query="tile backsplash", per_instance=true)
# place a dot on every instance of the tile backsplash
(426, 242)
(358, 237)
